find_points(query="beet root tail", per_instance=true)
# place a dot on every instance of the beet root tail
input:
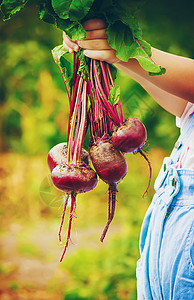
(111, 208)
(150, 169)
(63, 216)
(72, 210)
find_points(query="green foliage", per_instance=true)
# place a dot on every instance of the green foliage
(74, 10)
(120, 38)
(114, 95)
(64, 63)
(124, 33)
(73, 29)
(10, 7)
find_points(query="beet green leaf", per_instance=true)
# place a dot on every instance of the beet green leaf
(120, 38)
(128, 44)
(75, 10)
(114, 95)
(10, 7)
(124, 33)
(72, 28)
(60, 56)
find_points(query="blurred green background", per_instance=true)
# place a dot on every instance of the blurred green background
(33, 118)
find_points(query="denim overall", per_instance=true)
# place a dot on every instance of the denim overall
(166, 267)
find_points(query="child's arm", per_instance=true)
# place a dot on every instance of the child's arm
(178, 79)
(171, 90)
(173, 104)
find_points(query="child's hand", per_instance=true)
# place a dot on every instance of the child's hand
(69, 45)
(95, 44)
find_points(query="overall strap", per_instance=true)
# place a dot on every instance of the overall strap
(188, 128)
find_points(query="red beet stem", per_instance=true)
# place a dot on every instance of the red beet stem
(111, 208)
(78, 122)
(119, 102)
(107, 86)
(73, 206)
(80, 138)
(72, 104)
(92, 127)
(73, 121)
(63, 216)
(98, 104)
(110, 75)
(74, 68)
(91, 112)
(106, 103)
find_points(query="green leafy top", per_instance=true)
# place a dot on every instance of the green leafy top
(60, 56)
(124, 33)
(114, 95)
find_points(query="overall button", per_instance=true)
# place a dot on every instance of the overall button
(178, 144)
(173, 181)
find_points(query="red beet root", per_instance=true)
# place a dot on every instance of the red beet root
(111, 166)
(109, 163)
(58, 155)
(130, 136)
(72, 178)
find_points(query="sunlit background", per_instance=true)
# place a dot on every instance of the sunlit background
(33, 118)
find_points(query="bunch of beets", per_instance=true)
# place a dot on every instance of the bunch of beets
(94, 106)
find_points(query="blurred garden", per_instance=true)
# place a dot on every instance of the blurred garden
(33, 118)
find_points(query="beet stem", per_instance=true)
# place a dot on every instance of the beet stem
(98, 103)
(110, 75)
(92, 127)
(81, 135)
(72, 105)
(73, 121)
(77, 128)
(102, 105)
(119, 102)
(107, 87)
(105, 99)
(63, 216)
(74, 68)
(73, 206)
(112, 199)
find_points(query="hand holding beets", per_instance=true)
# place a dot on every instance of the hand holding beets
(95, 44)
(93, 107)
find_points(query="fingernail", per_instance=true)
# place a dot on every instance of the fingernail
(70, 50)
(85, 52)
(76, 48)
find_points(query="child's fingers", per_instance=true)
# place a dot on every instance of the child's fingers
(69, 45)
(96, 34)
(104, 55)
(94, 24)
(95, 31)
(97, 44)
